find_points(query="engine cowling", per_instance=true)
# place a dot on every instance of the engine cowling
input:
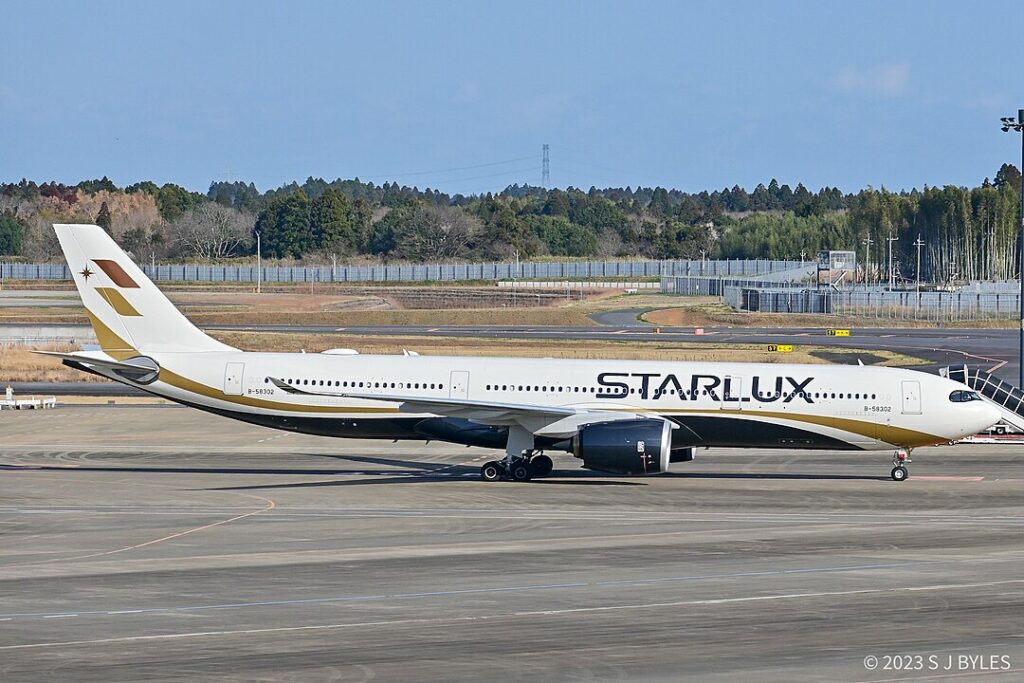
(625, 447)
(686, 454)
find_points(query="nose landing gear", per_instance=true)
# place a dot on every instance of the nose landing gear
(900, 460)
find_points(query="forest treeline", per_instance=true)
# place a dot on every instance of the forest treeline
(968, 232)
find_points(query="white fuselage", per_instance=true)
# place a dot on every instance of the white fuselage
(716, 404)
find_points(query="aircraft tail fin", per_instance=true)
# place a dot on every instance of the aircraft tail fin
(128, 313)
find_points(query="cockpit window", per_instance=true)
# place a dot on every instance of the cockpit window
(964, 396)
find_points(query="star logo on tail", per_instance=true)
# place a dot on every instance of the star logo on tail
(85, 273)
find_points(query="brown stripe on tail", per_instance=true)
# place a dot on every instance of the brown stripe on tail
(116, 273)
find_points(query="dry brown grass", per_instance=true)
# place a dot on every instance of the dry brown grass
(229, 316)
(547, 348)
(19, 364)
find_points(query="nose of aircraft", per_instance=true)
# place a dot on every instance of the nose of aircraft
(987, 415)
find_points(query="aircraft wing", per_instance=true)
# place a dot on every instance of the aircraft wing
(539, 419)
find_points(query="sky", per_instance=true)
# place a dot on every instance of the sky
(460, 96)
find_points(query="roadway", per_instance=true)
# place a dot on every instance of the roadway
(159, 543)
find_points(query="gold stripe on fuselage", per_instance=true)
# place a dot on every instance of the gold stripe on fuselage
(119, 349)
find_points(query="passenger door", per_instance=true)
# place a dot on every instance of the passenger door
(911, 397)
(732, 393)
(233, 378)
(458, 386)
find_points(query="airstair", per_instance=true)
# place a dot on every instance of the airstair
(1003, 395)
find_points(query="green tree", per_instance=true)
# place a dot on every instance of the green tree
(147, 186)
(173, 200)
(331, 220)
(103, 217)
(561, 237)
(1008, 175)
(94, 186)
(284, 226)
(12, 234)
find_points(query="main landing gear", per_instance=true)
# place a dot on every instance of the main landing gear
(900, 460)
(517, 468)
(522, 462)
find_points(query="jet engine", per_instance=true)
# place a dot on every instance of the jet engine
(625, 447)
(687, 454)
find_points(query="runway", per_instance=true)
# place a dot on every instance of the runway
(159, 543)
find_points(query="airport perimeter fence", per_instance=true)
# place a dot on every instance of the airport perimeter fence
(713, 286)
(926, 306)
(445, 272)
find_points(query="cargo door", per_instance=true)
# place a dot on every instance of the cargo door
(233, 378)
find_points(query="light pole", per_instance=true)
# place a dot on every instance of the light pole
(890, 239)
(919, 243)
(259, 264)
(867, 255)
(1018, 127)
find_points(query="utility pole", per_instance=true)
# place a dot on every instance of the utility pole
(890, 239)
(867, 242)
(1018, 126)
(515, 280)
(919, 243)
(259, 264)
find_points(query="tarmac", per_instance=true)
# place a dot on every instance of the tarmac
(159, 543)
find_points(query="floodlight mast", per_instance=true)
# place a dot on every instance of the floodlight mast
(1017, 126)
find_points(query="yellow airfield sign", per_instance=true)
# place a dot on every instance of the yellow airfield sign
(838, 333)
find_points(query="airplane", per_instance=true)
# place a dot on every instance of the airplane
(623, 417)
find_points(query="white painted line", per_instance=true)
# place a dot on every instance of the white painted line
(508, 615)
(947, 478)
(997, 366)
(127, 611)
(59, 616)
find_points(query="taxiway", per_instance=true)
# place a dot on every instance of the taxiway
(158, 543)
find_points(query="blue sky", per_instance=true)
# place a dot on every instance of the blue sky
(460, 96)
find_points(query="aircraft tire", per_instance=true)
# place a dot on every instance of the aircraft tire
(491, 471)
(521, 472)
(542, 465)
(899, 473)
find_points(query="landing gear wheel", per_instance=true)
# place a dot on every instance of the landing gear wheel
(899, 473)
(542, 465)
(491, 471)
(521, 472)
